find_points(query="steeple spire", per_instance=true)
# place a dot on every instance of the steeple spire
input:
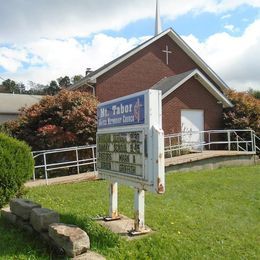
(158, 27)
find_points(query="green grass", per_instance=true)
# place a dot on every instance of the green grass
(203, 215)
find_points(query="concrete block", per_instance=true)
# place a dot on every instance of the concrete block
(23, 207)
(41, 218)
(72, 239)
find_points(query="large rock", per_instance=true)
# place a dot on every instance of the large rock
(72, 239)
(41, 218)
(23, 207)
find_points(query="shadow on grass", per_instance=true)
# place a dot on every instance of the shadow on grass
(100, 237)
(16, 243)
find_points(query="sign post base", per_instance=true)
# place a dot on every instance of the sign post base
(113, 207)
(139, 226)
(111, 219)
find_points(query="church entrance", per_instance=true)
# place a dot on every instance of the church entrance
(192, 122)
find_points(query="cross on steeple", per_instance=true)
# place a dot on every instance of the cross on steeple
(167, 52)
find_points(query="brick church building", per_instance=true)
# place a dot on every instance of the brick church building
(192, 93)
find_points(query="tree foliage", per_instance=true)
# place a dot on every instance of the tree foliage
(11, 86)
(39, 89)
(63, 120)
(245, 114)
(254, 93)
(64, 82)
(76, 78)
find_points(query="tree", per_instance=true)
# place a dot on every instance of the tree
(254, 93)
(53, 88)
(11, 86)
(64, 82)
(245, 114)
(76, 78)
(66, 119)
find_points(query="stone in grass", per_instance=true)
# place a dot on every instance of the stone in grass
(55, 249)
(8, 215)
(23, 207)
(72, 239)
(24, 225)
(41, 218)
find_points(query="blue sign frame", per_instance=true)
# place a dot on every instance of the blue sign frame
(127, 112)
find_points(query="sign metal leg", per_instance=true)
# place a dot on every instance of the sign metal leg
(139, 226)
(113, 204)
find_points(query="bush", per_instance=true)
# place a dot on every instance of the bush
(245, 114)
(16, 167)
(66, 119)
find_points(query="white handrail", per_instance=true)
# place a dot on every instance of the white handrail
(173, 143)
(231, 137)
(56, 165)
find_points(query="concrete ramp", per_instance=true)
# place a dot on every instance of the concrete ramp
(209, 160)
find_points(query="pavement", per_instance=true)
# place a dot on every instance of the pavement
(201, 156)
(64, 179)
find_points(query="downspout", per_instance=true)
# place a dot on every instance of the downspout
(93, 88)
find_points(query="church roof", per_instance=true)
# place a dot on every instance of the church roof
(167, 83)
(91, 77)
(170, 84)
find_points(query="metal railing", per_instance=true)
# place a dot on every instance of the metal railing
(185, 142)
(175, 144)
(256, 140)
(64, 158)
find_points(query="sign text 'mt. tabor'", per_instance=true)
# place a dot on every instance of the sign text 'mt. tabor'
(126, 112)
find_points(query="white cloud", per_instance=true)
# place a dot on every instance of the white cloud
(26, 21)
(235, 59)
(226, 16)
(230, 27)
(43, 44)
(12, 58)
(54, 58)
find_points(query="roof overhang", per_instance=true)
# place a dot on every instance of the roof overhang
(206, 83)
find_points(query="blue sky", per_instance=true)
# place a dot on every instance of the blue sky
(200, 25)
(52, 38)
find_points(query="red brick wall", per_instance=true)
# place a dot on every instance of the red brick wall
(143, 70)
(191, 95)
(147, 67)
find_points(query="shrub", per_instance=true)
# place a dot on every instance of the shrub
(16, 167)
(66, 119)
(245, 114)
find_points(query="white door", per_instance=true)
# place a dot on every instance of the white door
(192, 120)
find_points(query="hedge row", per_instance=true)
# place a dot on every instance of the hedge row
(16, 167)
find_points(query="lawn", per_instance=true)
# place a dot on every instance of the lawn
(202, 215)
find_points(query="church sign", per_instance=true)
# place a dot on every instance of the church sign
(128, 128)
(130, 148)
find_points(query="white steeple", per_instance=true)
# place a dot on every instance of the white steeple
(158, 27)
